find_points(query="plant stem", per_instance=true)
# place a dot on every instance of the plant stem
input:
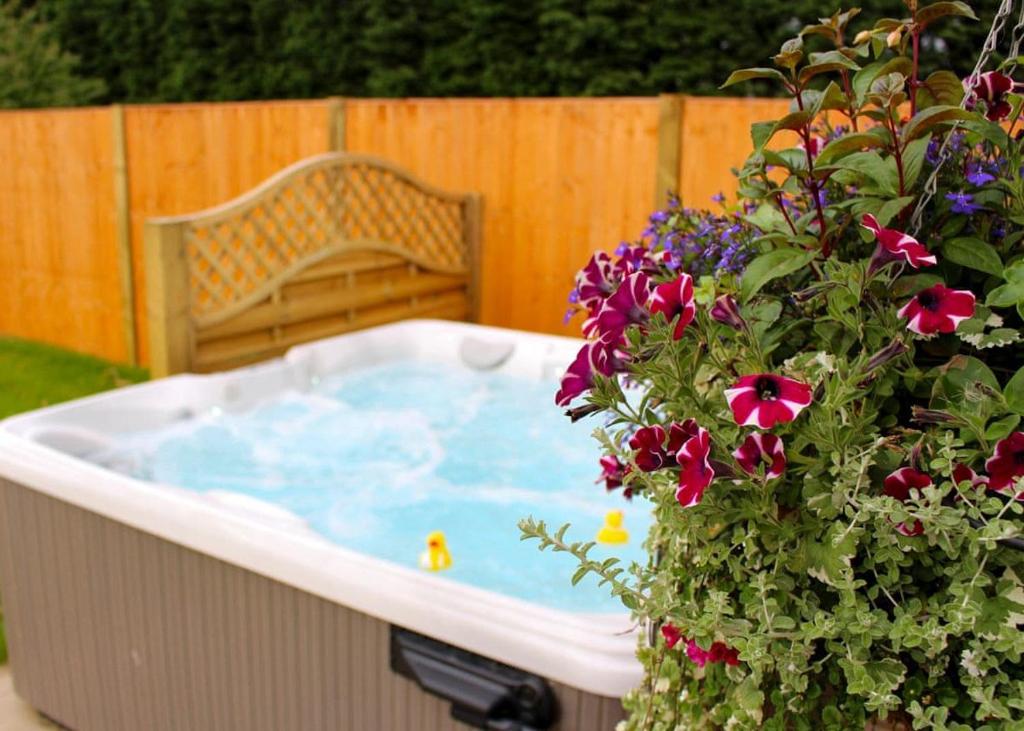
(778, 199)
(915, 36)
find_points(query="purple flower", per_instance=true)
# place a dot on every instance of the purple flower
(963, 203)
(718, 197)
(977, 175)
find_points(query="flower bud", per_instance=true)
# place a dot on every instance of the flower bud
(581, 412)
(931, 416)
(727, 311)
(893, 39)
(883, 356)
(863, 37)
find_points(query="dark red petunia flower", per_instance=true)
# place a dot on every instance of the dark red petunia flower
(898, 485)
(679, 433)
(761, 450)
(649, 442)
(695, 471)
(593, 358)
(992, 88)
(899, 245)
(719, 652)
(671, 634)
(675, 300)
(727, 311)
(613, 472)
(962, 473)
(1007, 463)
(596, 281)
(764, 400)
(937, 309)
(627, 306)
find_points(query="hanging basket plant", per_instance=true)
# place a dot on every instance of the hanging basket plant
(819, 391)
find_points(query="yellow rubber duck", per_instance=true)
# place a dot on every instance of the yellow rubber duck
(612, 532)
(436, 557)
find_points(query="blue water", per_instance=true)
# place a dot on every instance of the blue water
(377, 458)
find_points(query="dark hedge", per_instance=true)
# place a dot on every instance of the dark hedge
(182, 50)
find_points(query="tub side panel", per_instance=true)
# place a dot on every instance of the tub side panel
(111, 628)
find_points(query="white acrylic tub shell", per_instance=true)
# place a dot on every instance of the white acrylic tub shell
(592, 652)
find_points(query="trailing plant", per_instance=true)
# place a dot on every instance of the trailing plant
(820, 394)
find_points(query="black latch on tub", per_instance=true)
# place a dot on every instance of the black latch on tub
(483, 693)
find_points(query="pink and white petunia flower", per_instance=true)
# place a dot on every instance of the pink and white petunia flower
(1006, 465)
(597, 357)
(764, 400)
(899, 485)
(937, 309)
(596, 281)
(627, 306)
(761, 450)
(899, 245)
(675, 300)
(695, 471)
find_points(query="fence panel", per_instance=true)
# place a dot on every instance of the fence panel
(58, 256)
(185, 157)
(559, 178)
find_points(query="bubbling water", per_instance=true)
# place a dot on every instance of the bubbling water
(377, 458)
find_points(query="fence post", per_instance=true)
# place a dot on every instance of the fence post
(123, 234)
(670, 153)
(167, 299)
(336, 124)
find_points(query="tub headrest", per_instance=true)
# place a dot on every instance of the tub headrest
(484, 355)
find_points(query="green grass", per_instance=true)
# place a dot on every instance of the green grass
(33, 375)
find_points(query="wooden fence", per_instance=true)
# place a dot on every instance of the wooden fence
(559, 177)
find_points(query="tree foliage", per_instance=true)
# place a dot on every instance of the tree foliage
(34, 71)
(179, 50)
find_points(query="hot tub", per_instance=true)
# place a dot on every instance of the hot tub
(172, 556)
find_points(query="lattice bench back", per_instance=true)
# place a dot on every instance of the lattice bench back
(333, 243)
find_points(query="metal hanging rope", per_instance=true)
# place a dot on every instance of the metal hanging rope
(991, 41)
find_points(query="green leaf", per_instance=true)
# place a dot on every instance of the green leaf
(913, 160)
(941, 87)
(1001, 428)
(991, 131)
(760, 132)
(933, 12)
(1006, 295)
(772, 265)
(905, 286)
(926, 119)
(890, 208)
(753, 73)
(957, 388)
(881, 171)
(974, 254)
(1014, 392)
(820, 63)
(863, 79)
(793, 121)
(852, 142)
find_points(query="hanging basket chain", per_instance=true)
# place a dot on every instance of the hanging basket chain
(1018, 36)
(991, 41)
